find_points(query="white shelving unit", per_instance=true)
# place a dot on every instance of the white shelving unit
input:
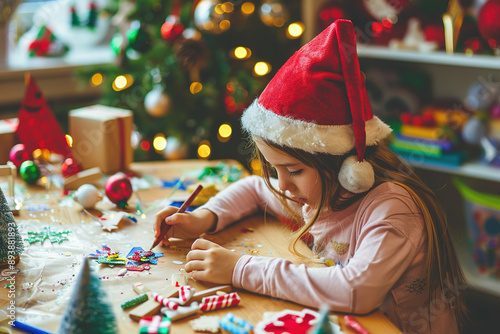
(468, 169)
(435, 58)
(20, 61)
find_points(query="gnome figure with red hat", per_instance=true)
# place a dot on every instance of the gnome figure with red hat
(374, 223)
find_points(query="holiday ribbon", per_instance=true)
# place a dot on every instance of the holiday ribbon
(121, 129)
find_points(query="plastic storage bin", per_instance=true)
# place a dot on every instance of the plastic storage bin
(483, 222)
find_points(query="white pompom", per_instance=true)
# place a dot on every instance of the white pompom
(87, 195)
(356, 177)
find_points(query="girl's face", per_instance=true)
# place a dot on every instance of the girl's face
(301, 182)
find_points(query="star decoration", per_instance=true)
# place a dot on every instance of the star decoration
(47, 234)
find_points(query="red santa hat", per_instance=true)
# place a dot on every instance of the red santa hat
(317, 102)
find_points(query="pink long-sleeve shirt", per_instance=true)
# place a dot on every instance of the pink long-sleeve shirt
(380, 242)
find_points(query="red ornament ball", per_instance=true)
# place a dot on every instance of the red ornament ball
(70, 167)
(434, 32)
(18, 154)
(118, 189)
(172, 28)
(488, 21)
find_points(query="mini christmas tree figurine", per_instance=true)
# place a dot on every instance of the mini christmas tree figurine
(87, 310)
(323, 326)
(38, 127)
(91, 23)
(11, 244)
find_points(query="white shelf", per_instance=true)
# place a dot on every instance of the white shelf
(469, 169)
(435, 57)
(20, 61)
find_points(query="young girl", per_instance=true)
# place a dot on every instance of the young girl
(326, 166)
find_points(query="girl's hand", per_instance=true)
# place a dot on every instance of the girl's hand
(185, 225)
(210, 262)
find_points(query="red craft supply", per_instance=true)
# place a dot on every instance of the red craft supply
(218, 302)
(353, 324)
(165, 302)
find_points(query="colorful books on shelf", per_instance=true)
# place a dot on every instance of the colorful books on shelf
(427, 145)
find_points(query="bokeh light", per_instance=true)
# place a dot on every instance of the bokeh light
(159, 143)
(295, 30)
(262, 68)
(195, 87)
(204, 149)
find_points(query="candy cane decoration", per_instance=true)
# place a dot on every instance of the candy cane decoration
(165, 301)
(185, 293)
(218, 302)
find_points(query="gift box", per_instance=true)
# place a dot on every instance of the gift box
(102, 137)
(7, 138)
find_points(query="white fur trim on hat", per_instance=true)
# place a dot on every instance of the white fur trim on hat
(309, 137)
(356, 177)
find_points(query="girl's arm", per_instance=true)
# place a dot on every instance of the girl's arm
(238, 200)
(241, 199)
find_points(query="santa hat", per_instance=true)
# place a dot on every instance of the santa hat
(317, 102)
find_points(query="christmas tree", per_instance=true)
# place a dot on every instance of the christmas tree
(11, 243)
(187, 69)
(87, 310)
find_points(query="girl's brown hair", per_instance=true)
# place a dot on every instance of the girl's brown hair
(442, 266)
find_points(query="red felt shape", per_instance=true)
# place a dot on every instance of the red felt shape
(291, 324)
(38, 128)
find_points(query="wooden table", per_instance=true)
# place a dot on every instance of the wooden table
(47, 271)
